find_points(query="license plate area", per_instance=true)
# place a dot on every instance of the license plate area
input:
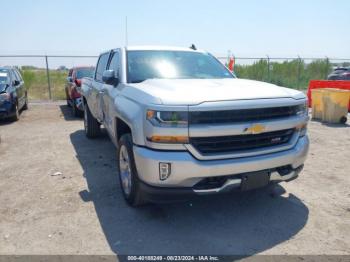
(255, 180)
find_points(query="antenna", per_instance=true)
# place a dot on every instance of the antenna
(126, 30)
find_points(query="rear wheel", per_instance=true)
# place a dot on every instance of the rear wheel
(91, 125)
(128, 177)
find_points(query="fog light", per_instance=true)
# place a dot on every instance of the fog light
(164, 170)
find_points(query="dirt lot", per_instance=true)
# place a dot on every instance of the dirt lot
(82, 210)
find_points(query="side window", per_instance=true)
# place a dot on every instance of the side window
(74, 74)
(14, 75)
(70, 72)
(18, 75)
(114, 65)
(11, 76)
(101, 66)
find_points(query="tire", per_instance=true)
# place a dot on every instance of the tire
(343, 119)
(79, 113)
(25, 106)
(16, 116)
(67, 99)
(91, 125)
(127, 172)
(76, 112)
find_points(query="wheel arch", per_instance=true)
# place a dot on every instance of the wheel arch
(121, 128)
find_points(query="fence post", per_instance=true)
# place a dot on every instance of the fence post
(48, 77)
(268, 68)
(327, 65)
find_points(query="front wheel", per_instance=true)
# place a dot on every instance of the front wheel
(343, 119)
(91, 125)
(16, 115)
(76, 112)
(67, 98)
(128, 177)
(25, 106)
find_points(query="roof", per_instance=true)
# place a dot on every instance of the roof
(6, 67)
(342, 68)
(167, 48)
(81, 67)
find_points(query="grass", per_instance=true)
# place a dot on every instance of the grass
(37, 84)
(293, 74)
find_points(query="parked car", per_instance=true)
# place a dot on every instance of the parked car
(340, 73)
(13, 93)
(184, 125)
(72, 87)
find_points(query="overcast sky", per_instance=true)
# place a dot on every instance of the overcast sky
(313, 28)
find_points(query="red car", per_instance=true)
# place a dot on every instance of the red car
(73, 84)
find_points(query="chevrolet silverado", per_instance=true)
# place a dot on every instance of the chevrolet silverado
(184, 125)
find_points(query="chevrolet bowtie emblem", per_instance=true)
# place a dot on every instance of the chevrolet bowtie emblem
(254, 129)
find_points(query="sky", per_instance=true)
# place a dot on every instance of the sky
(312, 28)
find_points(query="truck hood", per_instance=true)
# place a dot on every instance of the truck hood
(196, 91)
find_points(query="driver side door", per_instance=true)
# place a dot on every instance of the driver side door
(109, 92)
(19, 87)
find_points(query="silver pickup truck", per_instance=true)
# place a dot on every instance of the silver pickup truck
(185, 125)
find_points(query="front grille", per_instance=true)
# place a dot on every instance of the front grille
(241, 115)
(225, 144)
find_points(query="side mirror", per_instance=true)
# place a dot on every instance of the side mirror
(69, 79)
(16, 83)
(109, 77)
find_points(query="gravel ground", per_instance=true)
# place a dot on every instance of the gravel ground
(81, 210)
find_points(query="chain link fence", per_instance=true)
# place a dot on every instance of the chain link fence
(45, 75)
(292, 72)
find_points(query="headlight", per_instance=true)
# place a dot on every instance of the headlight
(5, 96)
(303, 109)
(168, 118)
(176, 119)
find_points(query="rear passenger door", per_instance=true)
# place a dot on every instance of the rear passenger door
(19, 88)
(95, 96)
(109, 92)
(69, 83)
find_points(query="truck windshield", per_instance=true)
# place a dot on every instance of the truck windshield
(143, 65)
(4, 79)
(85, 72)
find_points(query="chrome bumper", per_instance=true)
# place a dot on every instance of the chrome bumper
(235, 183)
(186, 170)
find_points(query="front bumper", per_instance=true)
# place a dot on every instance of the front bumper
(7, 109)
(187, 171)
(170, 194)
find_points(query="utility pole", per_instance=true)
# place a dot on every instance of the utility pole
(126, 30)
(268, 69)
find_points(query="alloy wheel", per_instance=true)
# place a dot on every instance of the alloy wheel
(125, 170)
